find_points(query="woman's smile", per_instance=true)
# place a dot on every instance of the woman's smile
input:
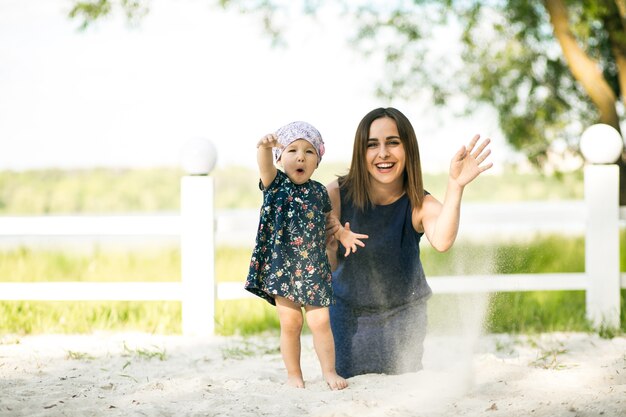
(385, 165)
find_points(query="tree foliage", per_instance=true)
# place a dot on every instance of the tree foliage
(512, 59)
(550, 68)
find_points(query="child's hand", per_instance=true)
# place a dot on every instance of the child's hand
(268, 141)
(350, 240)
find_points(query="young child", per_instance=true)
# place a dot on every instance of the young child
(289, 267)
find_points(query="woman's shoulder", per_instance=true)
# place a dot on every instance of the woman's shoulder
(333, 186)
(333, 189)
(430, 206)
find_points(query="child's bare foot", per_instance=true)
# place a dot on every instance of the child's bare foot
(295, 381)
(334, 381)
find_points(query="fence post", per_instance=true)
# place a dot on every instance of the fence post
(197, 239)
(601, 145)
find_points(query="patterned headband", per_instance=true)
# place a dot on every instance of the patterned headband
(299, 130)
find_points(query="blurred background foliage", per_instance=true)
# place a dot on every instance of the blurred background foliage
(101, 191)
(548, 69)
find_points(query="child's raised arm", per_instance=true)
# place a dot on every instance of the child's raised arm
(265, 158)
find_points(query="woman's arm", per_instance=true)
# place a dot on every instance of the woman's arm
(265, 159)
(440, 222)
(333, 223)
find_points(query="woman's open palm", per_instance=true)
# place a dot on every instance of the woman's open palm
(468, 162)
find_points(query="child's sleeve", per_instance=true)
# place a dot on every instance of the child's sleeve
(326, 206)
(274, 182)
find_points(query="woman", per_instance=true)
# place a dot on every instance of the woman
(379, 316)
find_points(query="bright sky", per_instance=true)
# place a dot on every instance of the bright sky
(131, 97)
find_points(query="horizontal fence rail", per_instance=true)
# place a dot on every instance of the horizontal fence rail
(238, 227)
(510, 220)
(91, 291)
(155, 225)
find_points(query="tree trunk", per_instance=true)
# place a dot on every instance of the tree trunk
(589, 74)
(584, 69)
(615, 24)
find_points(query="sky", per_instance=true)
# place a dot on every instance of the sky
(118, 95)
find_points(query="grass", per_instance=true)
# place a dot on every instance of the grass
(247, 348)
(32, 317)
(24, 264)
(79, 356)
(154, 352)
(548, 356)
(512, 312)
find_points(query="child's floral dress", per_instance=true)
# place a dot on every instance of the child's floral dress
(289, 258)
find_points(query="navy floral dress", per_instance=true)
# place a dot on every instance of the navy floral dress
(289, 258)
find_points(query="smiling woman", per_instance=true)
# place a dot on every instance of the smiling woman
(379, 315)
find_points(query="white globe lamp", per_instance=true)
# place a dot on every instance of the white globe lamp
(198, 156)
(601, 144)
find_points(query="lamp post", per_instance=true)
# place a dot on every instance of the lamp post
(197, 239)
(602, 145)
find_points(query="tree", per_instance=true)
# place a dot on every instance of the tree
(550, 68)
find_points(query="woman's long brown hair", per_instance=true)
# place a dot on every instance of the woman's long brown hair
(357, 181)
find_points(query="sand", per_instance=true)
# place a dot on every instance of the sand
(128, 374)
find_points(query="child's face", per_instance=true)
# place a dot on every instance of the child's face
(299, 160)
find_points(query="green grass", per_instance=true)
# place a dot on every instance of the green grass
(31, 265)
(24, 264)
(529, 311)
(32, 317)
(514, 312)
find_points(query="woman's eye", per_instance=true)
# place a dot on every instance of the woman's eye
(372, 145)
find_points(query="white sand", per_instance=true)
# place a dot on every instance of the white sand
(498, 375)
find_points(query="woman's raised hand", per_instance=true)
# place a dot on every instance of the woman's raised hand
(468, 162)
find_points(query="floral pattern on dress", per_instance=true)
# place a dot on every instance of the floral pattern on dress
(289, 258)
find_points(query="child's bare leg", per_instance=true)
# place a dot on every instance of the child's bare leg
(318, 320)
(290, 316)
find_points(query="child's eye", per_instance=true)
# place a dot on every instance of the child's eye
(309, 151)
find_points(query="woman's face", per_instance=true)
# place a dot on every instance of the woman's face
(385, 152)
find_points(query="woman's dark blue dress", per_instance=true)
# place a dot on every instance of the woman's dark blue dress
(379, 316)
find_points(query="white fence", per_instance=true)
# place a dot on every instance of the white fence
(197, 226)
